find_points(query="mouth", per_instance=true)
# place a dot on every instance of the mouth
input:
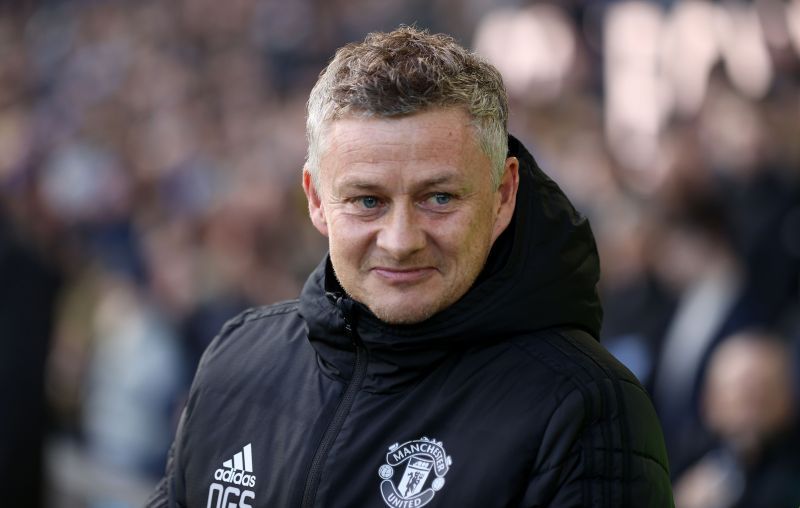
(403, 275)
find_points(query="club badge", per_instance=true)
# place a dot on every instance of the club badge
(413, 473)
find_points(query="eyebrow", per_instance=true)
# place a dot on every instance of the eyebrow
(437, 180)
(366, 185)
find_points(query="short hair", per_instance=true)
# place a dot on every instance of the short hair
(406, 71)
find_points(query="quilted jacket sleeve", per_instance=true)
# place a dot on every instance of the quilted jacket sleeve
(164, 495)
(160, 497)
(171, 490)
(602, 447)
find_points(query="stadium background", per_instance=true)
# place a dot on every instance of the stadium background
(150, 158)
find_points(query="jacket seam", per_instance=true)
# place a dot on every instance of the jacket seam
(639, 454)
(277, 309)
(541, 361)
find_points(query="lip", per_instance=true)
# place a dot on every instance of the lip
(404, 275)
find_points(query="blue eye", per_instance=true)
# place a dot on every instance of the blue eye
(441, 198)
(369, 201)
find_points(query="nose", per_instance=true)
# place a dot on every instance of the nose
(401, 234)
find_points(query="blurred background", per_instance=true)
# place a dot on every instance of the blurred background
(150, 158)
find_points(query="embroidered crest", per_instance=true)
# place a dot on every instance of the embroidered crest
(420, 466)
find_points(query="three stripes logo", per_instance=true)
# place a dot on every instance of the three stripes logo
(242, 461)
(238, 469)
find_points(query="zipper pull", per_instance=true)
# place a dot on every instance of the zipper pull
(346, 305)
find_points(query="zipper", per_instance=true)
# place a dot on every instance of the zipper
(342, 410)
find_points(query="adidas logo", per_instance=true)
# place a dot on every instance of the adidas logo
(235, 470)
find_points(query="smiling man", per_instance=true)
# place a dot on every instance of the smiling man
(410, 209)
(444, 353)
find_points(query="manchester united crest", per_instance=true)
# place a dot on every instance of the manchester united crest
(413, 473)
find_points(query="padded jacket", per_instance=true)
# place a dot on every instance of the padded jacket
(504, 399)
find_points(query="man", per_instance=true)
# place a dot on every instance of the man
(444, 352)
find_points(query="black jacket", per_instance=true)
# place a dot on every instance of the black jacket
(504, 399)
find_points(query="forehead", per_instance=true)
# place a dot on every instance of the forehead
(434, 139)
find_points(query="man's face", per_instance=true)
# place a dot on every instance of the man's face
(409, 210)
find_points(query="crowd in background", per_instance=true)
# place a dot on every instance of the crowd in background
(150, 159)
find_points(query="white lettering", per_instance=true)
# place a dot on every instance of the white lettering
(246, 494)
(403, 503)
(229, 497)
(228, 491)
(235, 477)
(214, 487)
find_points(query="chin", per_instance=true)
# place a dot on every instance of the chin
(403, 314)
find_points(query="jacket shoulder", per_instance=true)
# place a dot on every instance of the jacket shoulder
(247, 343)
(575, 355)
(248, 325)
(603, 435)
(250, 351)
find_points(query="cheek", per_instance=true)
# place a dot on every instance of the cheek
(476, 227)
(346, 235)
(467, 239)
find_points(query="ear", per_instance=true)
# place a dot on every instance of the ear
(506, 197)
(315, 208)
